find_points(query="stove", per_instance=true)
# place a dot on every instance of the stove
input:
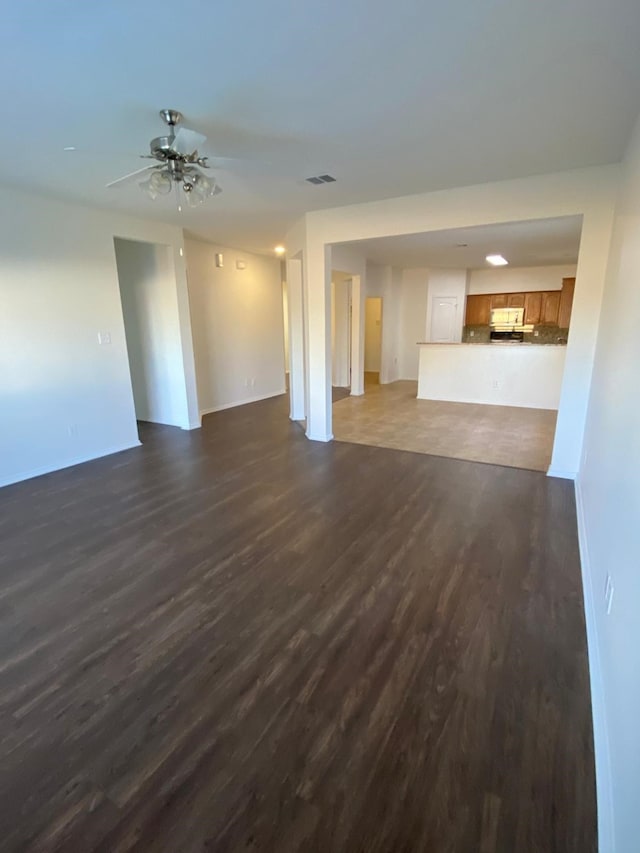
(506, 337)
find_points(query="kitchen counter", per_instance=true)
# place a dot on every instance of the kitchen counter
(510, 374)
(485, 344)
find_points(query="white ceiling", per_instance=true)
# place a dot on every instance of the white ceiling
(390, 97)
(537, 242)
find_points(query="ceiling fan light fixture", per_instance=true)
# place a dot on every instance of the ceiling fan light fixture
(204, 186)
(148, 189)
(161, 182)
(193, 200)
(178, 165)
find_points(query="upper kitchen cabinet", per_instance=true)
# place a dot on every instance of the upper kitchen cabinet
(541, 307)
(478, 311)
(550, 307)
(532, 307)
(566, 302)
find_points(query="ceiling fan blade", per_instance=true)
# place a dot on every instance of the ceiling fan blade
(187, 141)
(132, 175)
(249, 167)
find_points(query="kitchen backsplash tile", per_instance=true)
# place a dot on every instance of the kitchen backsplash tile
(545, 335)
(475, 334)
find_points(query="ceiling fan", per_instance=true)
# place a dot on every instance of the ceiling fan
(179, 164)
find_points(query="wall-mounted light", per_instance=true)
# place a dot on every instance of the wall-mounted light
(497, 260)
(279, 250)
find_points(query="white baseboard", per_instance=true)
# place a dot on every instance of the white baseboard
(68, 463)
(242, 402)
(564, 475)
(319, 436)
(604, 790)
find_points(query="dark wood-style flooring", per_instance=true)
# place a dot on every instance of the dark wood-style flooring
(235, 639)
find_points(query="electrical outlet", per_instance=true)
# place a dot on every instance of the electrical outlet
(495, 384)
(253, 381)
(104, 338)
(246, 381)
(536, 334)
(472, 334)
(72, 430)
(608, 594)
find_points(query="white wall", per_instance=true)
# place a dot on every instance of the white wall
(297, 355)
(64, 398)
(608, 495)
(373, 334)
(413, 314)
(520, 279)
(285, 322)
(446, 283)
(386, 282)
(340, 319)
(391, 331)
(524, 375)
(238, 330)
(147, 289)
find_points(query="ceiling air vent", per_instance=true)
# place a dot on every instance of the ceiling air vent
(321, 179)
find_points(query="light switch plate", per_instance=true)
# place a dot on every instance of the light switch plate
(104, 338)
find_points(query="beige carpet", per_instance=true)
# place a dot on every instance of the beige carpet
(390, 416)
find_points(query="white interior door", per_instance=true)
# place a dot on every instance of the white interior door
(444, 310)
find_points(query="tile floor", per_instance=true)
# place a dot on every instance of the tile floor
(391, 416)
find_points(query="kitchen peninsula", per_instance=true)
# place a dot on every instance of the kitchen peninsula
(499, 374)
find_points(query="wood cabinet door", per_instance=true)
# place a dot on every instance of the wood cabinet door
(532, 307)
(478, 310)
(499, 300)
(515, 300)
(550, 307)
(566, 302)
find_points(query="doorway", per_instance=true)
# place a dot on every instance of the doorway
(372, 339)
(146, 278)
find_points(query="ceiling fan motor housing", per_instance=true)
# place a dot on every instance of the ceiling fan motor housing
(161, 147)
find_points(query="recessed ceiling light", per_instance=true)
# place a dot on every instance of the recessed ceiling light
(70, 148)
(497, 260)
(279, 250)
